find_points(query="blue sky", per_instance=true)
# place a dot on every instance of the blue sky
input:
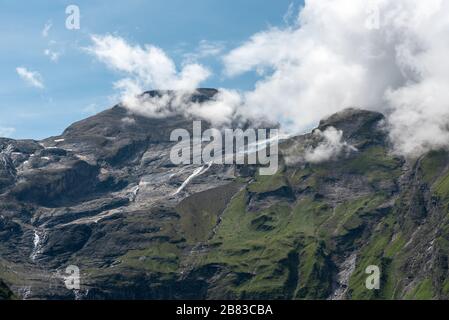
(77, 85)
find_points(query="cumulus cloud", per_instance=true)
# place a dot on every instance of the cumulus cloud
(31, 77)
(145, 68)
(149, 67)
(381, 55)
(331, 146)
(220, 110)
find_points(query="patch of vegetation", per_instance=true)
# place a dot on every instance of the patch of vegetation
(375, 158)
(445, 288)
(423, 291)
(432, 165)
(199, 213)
(441, 187)
(268, 183)
(163, 257)
(315, 274)
(374, 253)
(348, 216)
(276, 246)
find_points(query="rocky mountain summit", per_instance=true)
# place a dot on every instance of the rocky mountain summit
(105, 197)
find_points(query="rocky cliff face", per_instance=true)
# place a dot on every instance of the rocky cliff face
(105, 197)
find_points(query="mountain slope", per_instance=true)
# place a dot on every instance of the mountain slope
(105, 197)
(5, 292)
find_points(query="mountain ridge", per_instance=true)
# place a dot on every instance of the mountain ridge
(105, 197)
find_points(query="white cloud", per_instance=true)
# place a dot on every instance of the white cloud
(146, 66)
(330, 146)
(53, 55)
(31, 77)
(219, 110)
(48, 25)
(6, 132)
(381, 55)
(336, 56)
(149, 67)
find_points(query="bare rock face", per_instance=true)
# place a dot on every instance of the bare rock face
(105, 197)
(360, 127)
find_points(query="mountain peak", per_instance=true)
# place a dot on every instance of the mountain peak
(119, 119)
(351, 115)
(358, 125)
